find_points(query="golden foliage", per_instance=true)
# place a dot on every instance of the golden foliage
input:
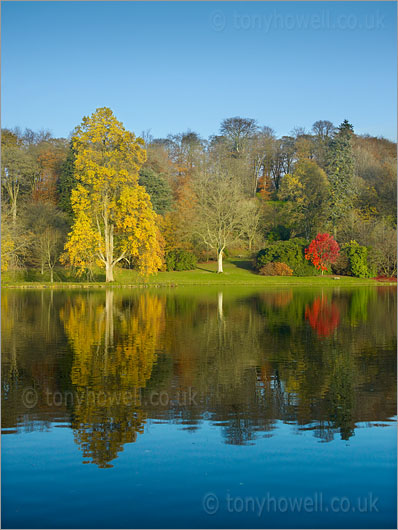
(114, 217)
(114, 351)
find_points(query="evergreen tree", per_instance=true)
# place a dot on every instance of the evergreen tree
(67, 182)
(158, 189)
(340, 171)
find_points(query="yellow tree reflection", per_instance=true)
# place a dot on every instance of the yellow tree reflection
(114, 341)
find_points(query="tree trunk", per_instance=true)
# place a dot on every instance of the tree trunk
(109, 273)
(219, 306)
(219, 260)
(109, 328)
(14, 211)
(51, 275)
(108, 234)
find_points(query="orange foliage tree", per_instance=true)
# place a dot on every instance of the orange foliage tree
(323, 251)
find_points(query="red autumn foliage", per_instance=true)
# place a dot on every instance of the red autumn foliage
(264, 187)
(323, 316)
(323, 251)
(45, 184)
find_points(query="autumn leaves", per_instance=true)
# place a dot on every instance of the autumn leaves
(113, 214)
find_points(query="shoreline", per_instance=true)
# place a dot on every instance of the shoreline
(297, 282)
(237, 273)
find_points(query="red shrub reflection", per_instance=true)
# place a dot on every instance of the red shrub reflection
(323, 316)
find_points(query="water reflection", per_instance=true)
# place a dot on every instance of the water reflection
(109, 362)
(114, 350)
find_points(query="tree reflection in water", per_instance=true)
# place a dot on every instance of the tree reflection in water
(114, 347)
(323, 316)
(321, 361)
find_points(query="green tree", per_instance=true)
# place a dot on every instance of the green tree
(158, 189)
(340, 171)
(67, 181)
(358, 259)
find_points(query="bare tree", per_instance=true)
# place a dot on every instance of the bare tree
(238, 131)
(250, 220)
(261, 151)
(218, 212)
(17, 166)
(49, 228)
(323, 128)
(49, 246)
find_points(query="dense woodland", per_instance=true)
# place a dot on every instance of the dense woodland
(104, 198)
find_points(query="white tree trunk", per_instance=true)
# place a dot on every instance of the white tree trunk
(219, 259)
(108, 272)
(109, 263)
(219, 306)
(14, 209)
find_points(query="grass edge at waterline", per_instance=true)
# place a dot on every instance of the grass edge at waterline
(235, 273)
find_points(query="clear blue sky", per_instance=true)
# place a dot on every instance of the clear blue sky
(173, 66)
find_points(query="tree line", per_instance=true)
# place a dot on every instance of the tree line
(105, 198)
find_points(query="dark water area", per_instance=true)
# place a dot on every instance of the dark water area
(199, 407)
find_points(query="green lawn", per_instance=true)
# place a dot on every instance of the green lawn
(236, 272)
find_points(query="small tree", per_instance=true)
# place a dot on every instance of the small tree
(49, 245)
(250, 218)
(49, 227)
(17, 165)
(323, 251)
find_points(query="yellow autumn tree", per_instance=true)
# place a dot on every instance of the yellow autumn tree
(113, 214)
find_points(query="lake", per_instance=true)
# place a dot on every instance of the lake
(199, 407)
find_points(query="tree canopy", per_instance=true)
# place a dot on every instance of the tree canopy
(113, 215)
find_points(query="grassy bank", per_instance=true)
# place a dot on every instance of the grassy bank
(236, 272)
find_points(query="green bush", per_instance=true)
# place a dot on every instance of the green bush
(290, 252)
(180, 260)
(279, 233)
(357, 256)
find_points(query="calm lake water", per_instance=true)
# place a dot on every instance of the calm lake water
(200, 407)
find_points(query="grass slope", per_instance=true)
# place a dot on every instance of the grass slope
(236, 272)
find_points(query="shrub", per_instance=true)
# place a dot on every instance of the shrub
(276, 269)
(290, 252)
(279, 233)
(354, 261)
(180, 260)
(358, 259)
